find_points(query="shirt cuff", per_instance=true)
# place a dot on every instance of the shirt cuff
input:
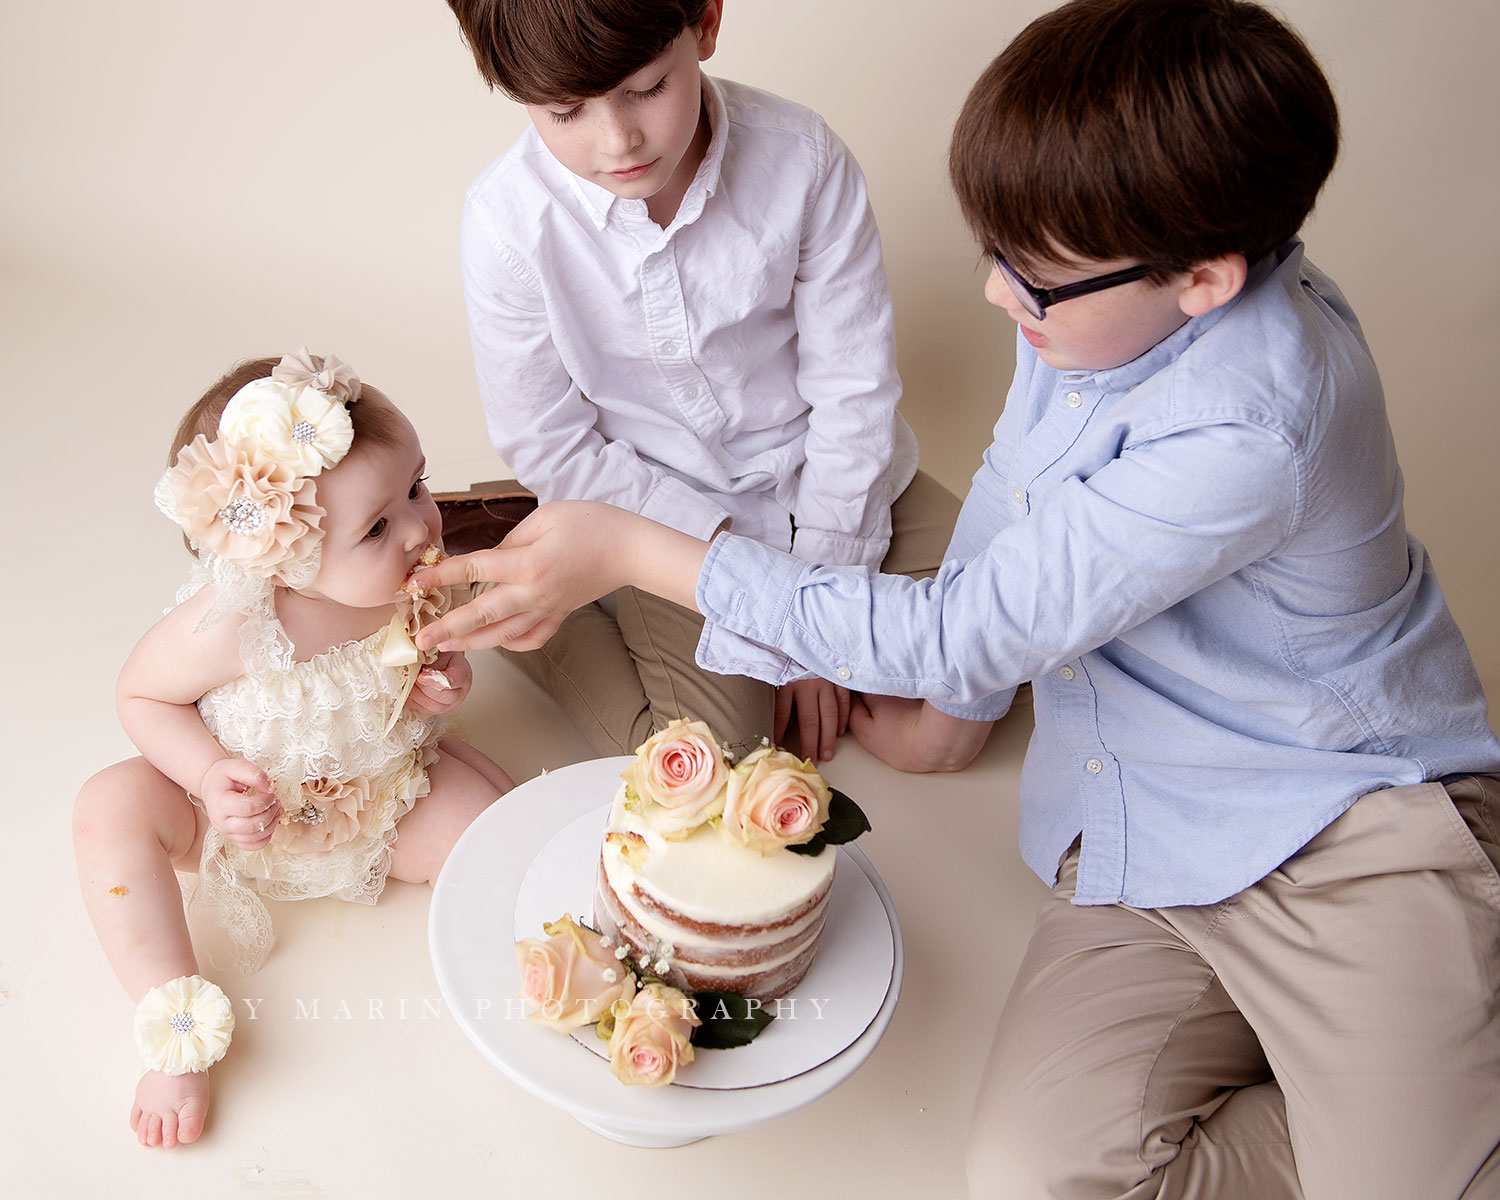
(839, 549)
(744, 592)
(991, 708)
(676, 505)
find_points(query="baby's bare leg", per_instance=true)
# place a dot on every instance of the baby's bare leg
(131, 827)
(464, 782)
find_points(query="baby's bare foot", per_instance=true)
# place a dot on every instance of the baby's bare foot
(169, 1109)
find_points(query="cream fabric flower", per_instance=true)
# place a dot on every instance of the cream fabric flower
(302, 427)
(183, 1025)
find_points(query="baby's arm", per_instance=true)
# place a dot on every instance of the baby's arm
(156, 697)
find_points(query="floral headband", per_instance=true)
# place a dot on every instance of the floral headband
(248, 496)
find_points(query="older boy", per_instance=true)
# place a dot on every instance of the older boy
(1261, 785)
(677, 305)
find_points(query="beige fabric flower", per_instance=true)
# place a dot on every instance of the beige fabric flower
(183, 1025)
(302, 427)
(244, 506)
(330, 815)
(335, 377)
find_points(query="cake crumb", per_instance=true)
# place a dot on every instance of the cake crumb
(119, 890)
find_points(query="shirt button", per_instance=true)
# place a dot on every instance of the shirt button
(1018, 495)
(631, 206)
(1066, 672)
(1093, 766)
(844, 673)
(1074, 399)
(669, 347)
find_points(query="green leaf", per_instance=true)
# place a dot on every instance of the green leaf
(728, 1020)
(846, 821)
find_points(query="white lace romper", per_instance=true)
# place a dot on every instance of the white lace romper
(319, 729)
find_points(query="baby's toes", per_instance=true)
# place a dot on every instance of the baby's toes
(190, 1119)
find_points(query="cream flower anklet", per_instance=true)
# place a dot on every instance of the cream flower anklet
(183, 1025)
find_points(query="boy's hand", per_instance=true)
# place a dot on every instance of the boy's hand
(237, 797)
(441, 685)
(563, 556)
(822, 715)
(911, 735)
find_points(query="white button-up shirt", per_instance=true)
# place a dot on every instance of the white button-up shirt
(737, 366)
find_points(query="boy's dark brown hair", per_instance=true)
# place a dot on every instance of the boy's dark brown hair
(1164, 131)
(542, 51)
(372, 415)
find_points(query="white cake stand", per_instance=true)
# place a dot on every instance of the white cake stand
(471, 929)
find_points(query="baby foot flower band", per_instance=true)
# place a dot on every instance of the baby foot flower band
(183, 1025)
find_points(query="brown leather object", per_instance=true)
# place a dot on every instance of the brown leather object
(481, 517)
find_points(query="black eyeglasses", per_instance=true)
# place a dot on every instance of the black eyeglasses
(1037, 300)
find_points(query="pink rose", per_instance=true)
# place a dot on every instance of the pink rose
(572, 978)
(650, 1040)
(679, 776)
(774, 800)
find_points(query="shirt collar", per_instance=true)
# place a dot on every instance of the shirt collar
(1126, 376)
(599, 201)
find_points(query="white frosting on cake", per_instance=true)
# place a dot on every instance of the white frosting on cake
(706, 912)
(705, 877)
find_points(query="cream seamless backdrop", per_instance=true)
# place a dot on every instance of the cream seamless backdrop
(189, 183)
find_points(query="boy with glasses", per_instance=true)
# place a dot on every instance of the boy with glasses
(1262, 786)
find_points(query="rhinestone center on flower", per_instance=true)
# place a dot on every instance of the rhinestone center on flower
(183, 1023)
(304, 432)
(243, 515)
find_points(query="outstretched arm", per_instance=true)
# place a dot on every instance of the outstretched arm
(563, 556)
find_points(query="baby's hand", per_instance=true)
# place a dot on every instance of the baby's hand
(237, 797)
(442, 685)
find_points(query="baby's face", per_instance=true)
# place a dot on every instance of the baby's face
(380, 517)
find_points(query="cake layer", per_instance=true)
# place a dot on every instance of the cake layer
(704, 912)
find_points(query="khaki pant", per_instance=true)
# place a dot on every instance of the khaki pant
(1332, 1032)
(621, 676)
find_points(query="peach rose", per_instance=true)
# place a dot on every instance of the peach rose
(678, 776)
(572, 978)
(235, 502)
(650, 1040)
(774, 800)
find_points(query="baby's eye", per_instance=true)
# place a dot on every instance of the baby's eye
(378, 528)
(562, 118)
(660, 87)
(417, 488)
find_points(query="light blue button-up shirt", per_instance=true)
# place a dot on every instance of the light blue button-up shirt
(1200, 562)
